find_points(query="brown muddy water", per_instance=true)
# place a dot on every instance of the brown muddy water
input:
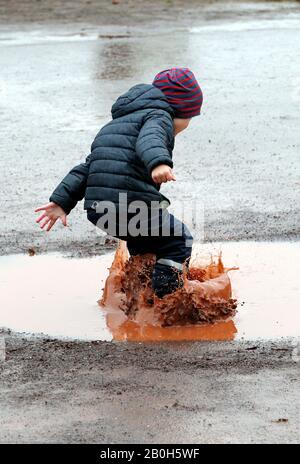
(58, 296)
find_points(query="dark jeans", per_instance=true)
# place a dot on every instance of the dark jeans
(172, 246)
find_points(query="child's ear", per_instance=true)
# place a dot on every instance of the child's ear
(180, 124)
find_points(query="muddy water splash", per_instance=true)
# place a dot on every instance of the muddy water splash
(201, 309)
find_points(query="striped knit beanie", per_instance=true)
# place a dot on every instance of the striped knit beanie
(182, 91)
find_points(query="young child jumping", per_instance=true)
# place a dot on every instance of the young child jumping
(130, 158)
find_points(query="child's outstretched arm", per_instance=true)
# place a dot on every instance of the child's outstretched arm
(51, 213)
(65, 197)
(154, 146)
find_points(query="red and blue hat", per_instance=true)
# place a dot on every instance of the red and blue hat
(182, 91)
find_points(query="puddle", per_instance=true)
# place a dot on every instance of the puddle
(58, 296)
(53, 295)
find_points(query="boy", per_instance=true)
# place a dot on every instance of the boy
(130, 158)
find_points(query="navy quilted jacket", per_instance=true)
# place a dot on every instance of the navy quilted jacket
(124, 152)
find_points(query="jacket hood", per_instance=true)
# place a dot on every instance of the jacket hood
(140, 97)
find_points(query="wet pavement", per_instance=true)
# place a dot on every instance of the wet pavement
(58, 297)
(105, 392)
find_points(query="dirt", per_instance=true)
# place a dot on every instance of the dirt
(99, 392)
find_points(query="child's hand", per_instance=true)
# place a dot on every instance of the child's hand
(51, 213)
(162, 173)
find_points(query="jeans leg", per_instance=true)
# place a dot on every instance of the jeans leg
(173, 253)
